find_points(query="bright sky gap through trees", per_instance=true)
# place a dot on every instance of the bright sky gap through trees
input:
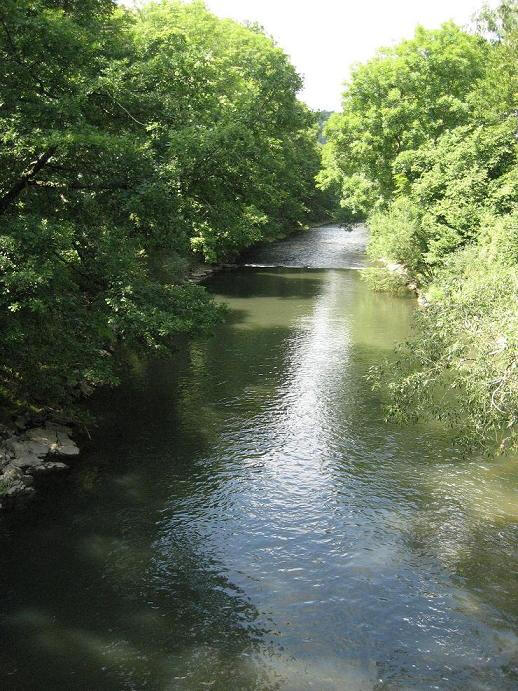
(324, 39)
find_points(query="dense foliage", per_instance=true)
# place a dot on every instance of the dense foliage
(129, 140)
(426, 147)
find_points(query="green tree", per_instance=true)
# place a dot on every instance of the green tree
(397, 102)
(129, 140)
(434, 161)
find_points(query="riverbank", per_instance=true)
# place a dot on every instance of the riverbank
(28, 453)
(32, 448)
(402, 272)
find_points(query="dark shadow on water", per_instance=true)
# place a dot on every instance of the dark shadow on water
(259, 283)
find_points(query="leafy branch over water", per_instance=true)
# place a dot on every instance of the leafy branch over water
(131, 140)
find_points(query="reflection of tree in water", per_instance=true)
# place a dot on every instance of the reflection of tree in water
(245, 356)
(133, 609)
(468, 520)
(454, 555)
(138, 611)
(134, 585)
(220, 633)
(278, 284)
(433, 549)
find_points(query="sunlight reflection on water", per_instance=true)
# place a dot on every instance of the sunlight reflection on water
(246, 519)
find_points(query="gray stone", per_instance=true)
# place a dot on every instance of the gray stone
(19, 489)
(5, 431)
(10, 473)
(65, 446)
(55, 427)
(85, 388)
(27, 460)
(21, 422)
(24, 456)
(5, 457)
(23, 447)
(48, 467)
(42, 435)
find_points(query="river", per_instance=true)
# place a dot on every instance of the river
(243, 517)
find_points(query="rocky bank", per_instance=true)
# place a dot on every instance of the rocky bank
(26, 454)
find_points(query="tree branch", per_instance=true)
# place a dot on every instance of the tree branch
(25, 179)
(47, 184)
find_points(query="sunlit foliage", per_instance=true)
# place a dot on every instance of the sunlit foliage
(433, 163)
(130, 140)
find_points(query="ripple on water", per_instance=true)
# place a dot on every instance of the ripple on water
(253, 523)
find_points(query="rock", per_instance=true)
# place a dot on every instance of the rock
(65, 446)
(27, 447)
(43, 435)
(5, 431)
(21, 422)
(27, 480)
(19, 488)
(48, 467)
(5, 457)
(199, 273)
(56, 427)
(15, 485)
(27, 460)
(10, 474)
(17, 495)
(55, 438)
(85, 388)
(24, 457)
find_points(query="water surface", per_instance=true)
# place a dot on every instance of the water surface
(244, 518)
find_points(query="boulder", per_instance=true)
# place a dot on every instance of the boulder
(5, 431)
(10, 475)
(5, 457)
(40, 441)
(43, 435)
(24, 447)
(55, 427)
(65, 446)
(26, 460)
(24, 456)
(47, 468)
(21, 422)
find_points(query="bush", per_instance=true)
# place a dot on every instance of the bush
(396, 235)
(382, 280)
(461, 366)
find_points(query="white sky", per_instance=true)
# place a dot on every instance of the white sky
(325, 37)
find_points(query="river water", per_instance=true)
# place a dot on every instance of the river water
(244, 518)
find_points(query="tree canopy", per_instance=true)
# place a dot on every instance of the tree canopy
(400, 100)
(426, 148)
(129, 141)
